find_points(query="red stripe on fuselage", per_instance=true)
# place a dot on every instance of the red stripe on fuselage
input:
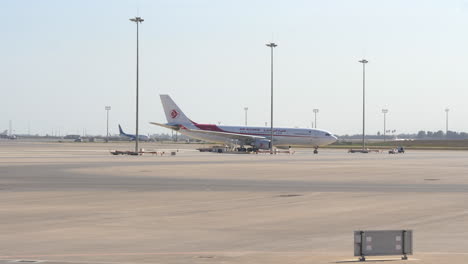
(209, 127)
(274, 135)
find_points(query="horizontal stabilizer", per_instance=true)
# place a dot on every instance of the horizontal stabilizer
(166, 126)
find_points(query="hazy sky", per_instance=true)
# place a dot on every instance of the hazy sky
(61, 62)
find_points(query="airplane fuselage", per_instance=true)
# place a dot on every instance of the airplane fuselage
(133, 137)
(281, 136)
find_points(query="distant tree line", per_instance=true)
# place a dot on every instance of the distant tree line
(441, 135)
(420, 135)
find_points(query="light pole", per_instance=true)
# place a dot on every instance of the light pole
(271, 45)
(446, 121)
(384, 111)
(315, 117)
(107, 129)
(246, 109)
(137, 20)
(364, 62)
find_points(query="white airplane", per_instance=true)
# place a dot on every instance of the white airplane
(257, 137)
(131, 136)
(4, 134)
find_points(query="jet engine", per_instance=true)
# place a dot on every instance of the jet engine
(261, 143)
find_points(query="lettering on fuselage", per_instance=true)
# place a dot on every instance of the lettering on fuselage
(262, 130)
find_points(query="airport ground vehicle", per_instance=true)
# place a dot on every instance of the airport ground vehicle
(397, 150)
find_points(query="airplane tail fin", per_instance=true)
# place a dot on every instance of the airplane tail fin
(174, 114)
(121, 131)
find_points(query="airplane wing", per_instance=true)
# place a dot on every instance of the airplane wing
(166, 126)
(227, 135)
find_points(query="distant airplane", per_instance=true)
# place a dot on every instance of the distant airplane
(133, 137)
(256, 137)
(4, 134)
(396, 138)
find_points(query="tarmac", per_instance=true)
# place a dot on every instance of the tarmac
(76, 203)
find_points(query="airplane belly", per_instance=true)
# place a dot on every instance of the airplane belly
(291, 141)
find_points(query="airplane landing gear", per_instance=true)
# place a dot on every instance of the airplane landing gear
(246, 149)
(316, 150)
